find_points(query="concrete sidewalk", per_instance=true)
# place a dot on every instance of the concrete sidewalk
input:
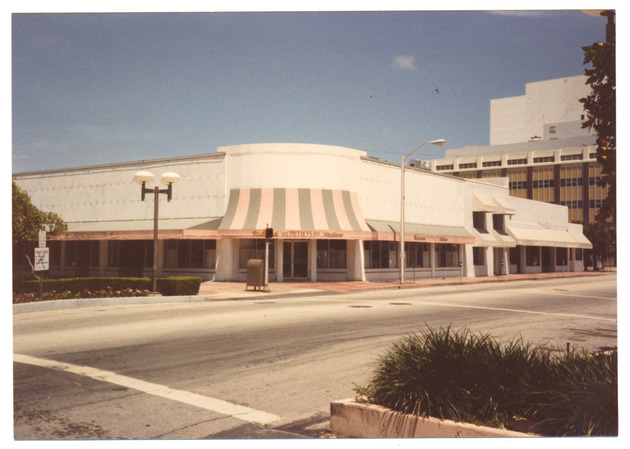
(226, 291)
(212, 290)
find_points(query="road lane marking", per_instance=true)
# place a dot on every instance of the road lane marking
(559, 292)
(532, 312)
(582, 285)
(214, 405)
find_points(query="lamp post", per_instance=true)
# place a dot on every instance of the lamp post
(168, 179)
(439, 143)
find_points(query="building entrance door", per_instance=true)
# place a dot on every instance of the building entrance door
(295, 259)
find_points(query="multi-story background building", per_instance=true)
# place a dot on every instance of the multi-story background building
(538, 143)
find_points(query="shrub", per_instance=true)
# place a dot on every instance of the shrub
(469, 377)
(582, 399)
(95, 287)
(76, 285)
(182, 285)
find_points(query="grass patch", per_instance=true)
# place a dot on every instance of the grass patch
(470, 377)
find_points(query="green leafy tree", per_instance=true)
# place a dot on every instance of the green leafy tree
(603, 236)
(28, 220)
(601, 109)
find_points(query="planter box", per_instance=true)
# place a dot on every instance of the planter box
(355, 420)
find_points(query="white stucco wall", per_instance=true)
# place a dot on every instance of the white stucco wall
(108, 193)
(429, 198)
(517, 119)
(292, 165)
(506, 119)
(536, 214)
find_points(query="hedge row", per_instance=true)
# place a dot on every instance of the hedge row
(167, 286)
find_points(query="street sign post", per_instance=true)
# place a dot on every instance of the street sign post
(42, 239)
(42, 258)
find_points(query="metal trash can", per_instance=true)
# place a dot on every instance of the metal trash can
(255, 273)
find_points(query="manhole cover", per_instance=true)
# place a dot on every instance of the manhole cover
(400, 303)
(361, 307)
(264, 302)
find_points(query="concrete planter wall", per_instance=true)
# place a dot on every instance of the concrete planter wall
(354, 420)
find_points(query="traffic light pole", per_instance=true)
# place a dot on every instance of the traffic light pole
(268, 233)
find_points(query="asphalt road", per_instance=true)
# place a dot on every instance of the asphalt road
(261, 368)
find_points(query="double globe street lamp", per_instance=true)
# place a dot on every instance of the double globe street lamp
(439, 143)
(168, 179)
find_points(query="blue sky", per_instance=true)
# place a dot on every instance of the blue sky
(103, 88)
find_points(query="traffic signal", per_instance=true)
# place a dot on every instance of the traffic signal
(268, 233)
(602, 150)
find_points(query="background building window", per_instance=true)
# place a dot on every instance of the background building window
(543, 184)
(572, 191)
(491, 174)
(518, 182)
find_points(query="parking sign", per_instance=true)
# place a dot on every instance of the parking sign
(41, 259)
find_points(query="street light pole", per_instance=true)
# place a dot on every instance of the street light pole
(168, 179)
(439, 143)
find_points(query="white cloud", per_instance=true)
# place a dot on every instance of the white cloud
(405, 62)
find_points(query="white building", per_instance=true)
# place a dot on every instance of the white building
(335, 214)
(538, 143)
(549, 110)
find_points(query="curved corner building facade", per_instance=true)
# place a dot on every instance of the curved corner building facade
(335, 214)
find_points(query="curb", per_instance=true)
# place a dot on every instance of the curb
(60, 304)
(350, 419)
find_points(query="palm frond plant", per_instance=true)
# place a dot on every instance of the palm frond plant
(465, 376)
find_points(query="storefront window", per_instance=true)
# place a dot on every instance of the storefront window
(130, 253)
(332, 254)
(479, 255)
(447, 255)
(190, 253)
(417, 255)
(82, 253)
(578, 254)
(532, 256)
(55, 253)
(380, 254)
(254, 249)
(561, 256)
(513, 256)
